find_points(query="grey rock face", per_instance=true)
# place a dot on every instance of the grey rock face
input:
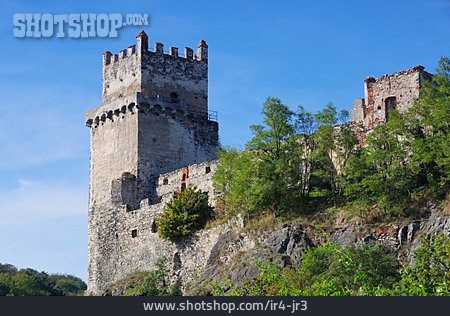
(344, 236)
(290, 240)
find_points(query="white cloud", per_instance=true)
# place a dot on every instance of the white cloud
(32, 203)
(42, 125)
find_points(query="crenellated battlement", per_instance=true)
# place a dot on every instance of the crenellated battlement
(110, 59)
(157, 73)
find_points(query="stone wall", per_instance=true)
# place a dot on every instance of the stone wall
(122, 240)
(395, 91)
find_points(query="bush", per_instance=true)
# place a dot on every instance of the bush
(155, 283)
(430, 274)
(186, 213)
(327, 270)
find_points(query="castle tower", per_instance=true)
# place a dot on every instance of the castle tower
(153, 119)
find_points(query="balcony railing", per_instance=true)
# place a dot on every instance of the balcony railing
(213, 115)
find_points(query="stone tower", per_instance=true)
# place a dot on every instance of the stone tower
(153, 119)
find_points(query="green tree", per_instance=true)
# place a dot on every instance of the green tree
(68, 285)
(276, 166)
(429, 121)
(430, 273)
(235, 181)
(29, 282)
(5, 284)
(305, 126)
(332, 147)
(187, 212)
(382, 173)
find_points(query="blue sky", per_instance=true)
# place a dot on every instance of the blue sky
(304, 52)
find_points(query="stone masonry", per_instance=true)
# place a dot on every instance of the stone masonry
(152, 135)
(395, 91)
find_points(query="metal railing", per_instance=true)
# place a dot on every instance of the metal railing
(213, 115)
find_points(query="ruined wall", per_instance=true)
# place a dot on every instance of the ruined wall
(357, 113)
(395, 91)
(199, 175)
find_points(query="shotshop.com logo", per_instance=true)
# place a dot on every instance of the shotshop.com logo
(74, 25)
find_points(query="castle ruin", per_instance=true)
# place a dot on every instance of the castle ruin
(396, 91)
(153, 134)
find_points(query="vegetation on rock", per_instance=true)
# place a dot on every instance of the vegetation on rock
(364, 269)
(294, 158)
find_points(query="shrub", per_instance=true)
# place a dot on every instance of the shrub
(186, 213)
(430, 274)
(155, 282)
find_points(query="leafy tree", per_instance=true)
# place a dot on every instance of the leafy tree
(381, 172)
(234, 179)
(187, 212)
(29, 282)
(429, 121)
(332, 147)
(305, 126)
(276, 166)
(5, 284)
(266, 175)
(8, 268)
(68, 285)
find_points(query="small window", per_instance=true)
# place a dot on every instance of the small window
(154, 140)
(134, 233)
(154, 227)
(174, 96)
(165, 181)
(391, 104)
(207, 169)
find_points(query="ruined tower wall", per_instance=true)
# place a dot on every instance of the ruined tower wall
(396, 91)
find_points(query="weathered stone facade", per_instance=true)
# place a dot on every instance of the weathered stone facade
(153, 121)
(395, 91)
